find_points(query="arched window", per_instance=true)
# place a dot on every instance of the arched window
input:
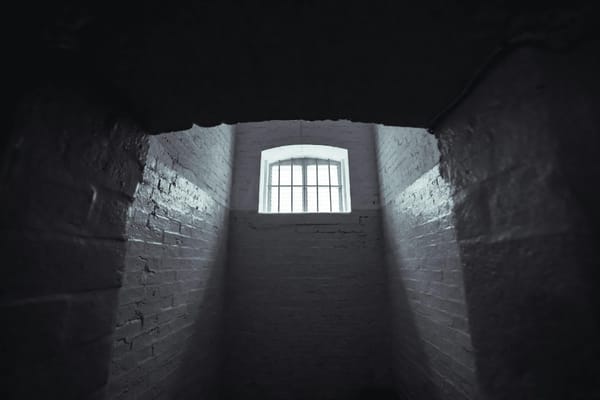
(304, 179)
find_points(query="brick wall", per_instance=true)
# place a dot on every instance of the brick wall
(68, 177)
(432, 346)
(521, 155)
(306, 308)
(169, 324)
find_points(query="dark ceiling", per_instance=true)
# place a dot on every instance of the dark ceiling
(174, 64)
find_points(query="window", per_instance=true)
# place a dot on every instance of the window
(304, 179)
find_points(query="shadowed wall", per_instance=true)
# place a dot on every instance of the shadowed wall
(521, 156)
(69, 173)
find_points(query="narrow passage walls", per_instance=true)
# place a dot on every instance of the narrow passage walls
(431, 342)
(167, 342)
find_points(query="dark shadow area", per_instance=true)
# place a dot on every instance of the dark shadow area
(526, 225)
(305, 312)
(411, 365)
(201, 369)
(307, 59)
(68, 176)
(378, 394)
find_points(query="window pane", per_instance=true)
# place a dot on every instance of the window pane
(273, 200)
(324, 205)
(297, 200)
(335, 199)
(285, 172)
(274, 174)
(311, 199)
(297, 171)
(335, 174)
(285, 204)
(323, 174)
(311, 173)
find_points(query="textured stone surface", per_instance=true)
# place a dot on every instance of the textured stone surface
(167, 339)
(69, 173)
(306, 310)
(520, 154)
(431, 342)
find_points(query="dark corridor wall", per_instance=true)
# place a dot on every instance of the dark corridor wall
(306, 308)
(167, 341)
(521, 155)
(68, 176)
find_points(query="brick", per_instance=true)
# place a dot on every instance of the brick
(172, 250)
(302, 281)
(424, 263)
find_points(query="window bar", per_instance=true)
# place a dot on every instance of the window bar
(278, 186)
(341, 195)
(304, 189)
(292, 188)
(317, 177)
(339, 186)
(329, 173)
(341, 182)
(343, 198)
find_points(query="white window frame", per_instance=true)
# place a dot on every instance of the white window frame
(301, 151)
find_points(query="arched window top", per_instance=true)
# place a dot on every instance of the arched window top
(304, 151)
(304, 178)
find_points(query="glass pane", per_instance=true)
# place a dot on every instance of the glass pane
(311, 173)
(324, 205)
(323, 174)
(297, 200)
(285, 201)
(335, 174)
(274, 174)
(311, 199)
(335, 199)
(297, 173)
(285, 172)
(273, 200)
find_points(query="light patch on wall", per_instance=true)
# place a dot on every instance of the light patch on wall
(427, 199)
